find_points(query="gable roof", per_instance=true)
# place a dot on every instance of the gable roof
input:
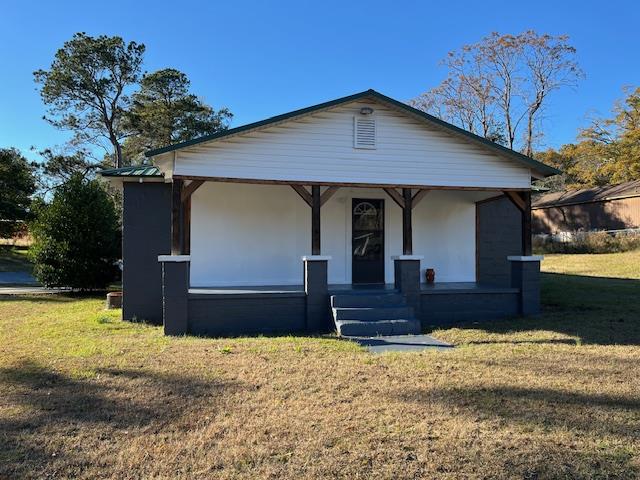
(541, 168)
(588, 195)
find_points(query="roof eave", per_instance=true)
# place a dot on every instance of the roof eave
(136, 171)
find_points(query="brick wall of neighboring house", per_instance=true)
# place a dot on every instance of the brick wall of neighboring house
(617, 214)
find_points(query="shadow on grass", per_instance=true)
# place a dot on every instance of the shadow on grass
(41, 297)
(550, 341)
(12, 260)
(594, 417)
(57, 407)
(58, 296)
(598, 310)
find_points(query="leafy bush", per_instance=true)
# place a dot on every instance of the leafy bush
(588, 242)
(76, 237)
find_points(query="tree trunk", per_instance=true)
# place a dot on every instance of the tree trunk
(118, 152)
(529, 143)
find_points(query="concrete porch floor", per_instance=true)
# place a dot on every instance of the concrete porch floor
(435, 288)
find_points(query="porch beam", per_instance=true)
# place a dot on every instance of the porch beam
(189, 189)
(395, 196)
(315, 220)
(304, 194)
(419, 195)
(407, 229)
(341, 184)
(327, 194)
(176, 223)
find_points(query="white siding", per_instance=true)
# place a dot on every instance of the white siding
(319, 147)
(255, 234)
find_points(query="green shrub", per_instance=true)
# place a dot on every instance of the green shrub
(589, 242)
(76, 237)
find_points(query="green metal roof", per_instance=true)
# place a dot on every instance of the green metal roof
(545, 170)
(133, 171)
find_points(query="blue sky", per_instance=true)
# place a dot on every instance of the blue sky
(262, 58)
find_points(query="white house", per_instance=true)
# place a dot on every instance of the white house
(329, 216)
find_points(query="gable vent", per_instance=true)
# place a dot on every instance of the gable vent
(364, 131)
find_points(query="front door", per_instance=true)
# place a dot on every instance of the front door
(367, 240)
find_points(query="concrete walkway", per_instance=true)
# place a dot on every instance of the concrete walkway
(400, 343)
(17, 278)
(27, 290)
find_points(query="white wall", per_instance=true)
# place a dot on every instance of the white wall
(319, 147)
(255, 234)
(444, 232)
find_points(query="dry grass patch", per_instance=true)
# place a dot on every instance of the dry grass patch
(84, 395)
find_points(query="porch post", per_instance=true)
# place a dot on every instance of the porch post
(315, 220)
(406, 270)
(407, 230)
(176, 217)
(186, 191)
(317, 292)
(526, 224)
(315, 265)
(186, 225)
(175, 293)
(525, 276)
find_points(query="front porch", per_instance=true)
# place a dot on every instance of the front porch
(233, 223)
(277, 309)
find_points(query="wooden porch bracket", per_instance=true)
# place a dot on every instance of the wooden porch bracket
(304, 194)
(400, 199)
(395, 196)
(516, 199)
(327, 194)
(419, 195)
(190, 189)
(522, 200)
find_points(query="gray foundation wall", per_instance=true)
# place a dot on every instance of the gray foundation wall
(447, 309)
(498, 236)
(146, 233)
(220, 315)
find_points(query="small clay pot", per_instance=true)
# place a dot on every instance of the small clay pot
(431, 275)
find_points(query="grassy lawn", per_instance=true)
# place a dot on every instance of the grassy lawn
(84, 395)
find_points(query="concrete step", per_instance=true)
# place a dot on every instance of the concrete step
(372, 314)
(368, 301)
(355, 328)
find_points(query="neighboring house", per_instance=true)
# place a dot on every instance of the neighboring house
(329, 216)
(614, 207)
